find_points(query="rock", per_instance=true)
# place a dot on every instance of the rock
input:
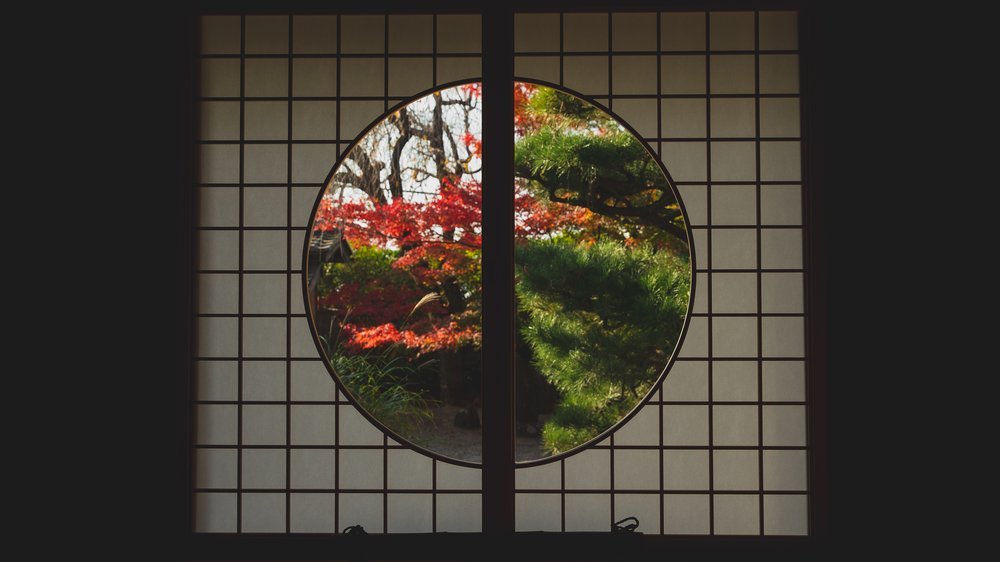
(467, 418)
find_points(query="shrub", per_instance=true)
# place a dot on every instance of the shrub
(602, 321)
(386, 383)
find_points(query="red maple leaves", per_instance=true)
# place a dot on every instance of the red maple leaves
(436, 242)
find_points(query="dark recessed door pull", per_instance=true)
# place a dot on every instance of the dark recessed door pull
(355, 530)
(629, 528)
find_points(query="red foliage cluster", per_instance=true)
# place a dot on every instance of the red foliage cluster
(452, 217)
(374, 303)
(423, 338)
(474, 89)
(534, 218)
(474, 144)
(439, 241)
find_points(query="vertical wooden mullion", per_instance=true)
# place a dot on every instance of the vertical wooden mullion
(498, 271)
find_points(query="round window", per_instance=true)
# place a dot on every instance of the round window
(602, 272)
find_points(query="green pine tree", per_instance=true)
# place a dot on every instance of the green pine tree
(602, 321)
(579, 155)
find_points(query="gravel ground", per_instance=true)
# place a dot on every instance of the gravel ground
(466, 444)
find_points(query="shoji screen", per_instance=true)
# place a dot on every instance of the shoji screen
(721, 448)
(277, 448)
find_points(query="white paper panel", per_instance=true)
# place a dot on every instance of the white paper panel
(312, 513)
(588, 512)
(265, 206)
(785, 470)
(313, 425)
(409, 470)
(219, 163)
(537, 512)
(362, 34)
(633, 31)
(534, 32)
(263, 381)
(686, 514)
(685, 469)
(411, 33)
(265, 163)
(267, 34)
(644, 507)
(217, 380)
(734, 381)
(217, 293)
(640, 114)
(682, 31)
(361, 469)
(313, 468)
(360, 509)
(220, 35)
(589, 469)
(220, 78)
(263, 425)
(263, 468)
(215, 513)
(785, 515)
(687, 380)
(685, 425)
(265, 77)
(410, 513)
(734, 425)
(735, 470)
(219, 206)
(314, 34)
(311, 381)
(586, 74)
(778, 31)
(642, 429)
(637, 470)
(585, 32)
(263, 513)
(682, 74)
(460, 513)
(459, 33)
(409, 76)
(217, 337)
(731, 31)
(215, 468)
(634, 74)
(264, 337)
(538, 477)
(784, 381)
(737, 514)
(537, 68)
(314, 77)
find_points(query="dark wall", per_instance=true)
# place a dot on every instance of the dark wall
(119, 78)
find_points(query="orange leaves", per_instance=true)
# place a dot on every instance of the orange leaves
(538, 218)
(474, 143)
(424, 339)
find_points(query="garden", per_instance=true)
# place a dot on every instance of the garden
(602, 271)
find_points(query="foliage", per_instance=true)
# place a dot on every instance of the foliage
(602, 274)
(603, 320)
(382, 381)
(571, 152)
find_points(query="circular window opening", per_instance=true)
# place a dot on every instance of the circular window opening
(602, 272)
